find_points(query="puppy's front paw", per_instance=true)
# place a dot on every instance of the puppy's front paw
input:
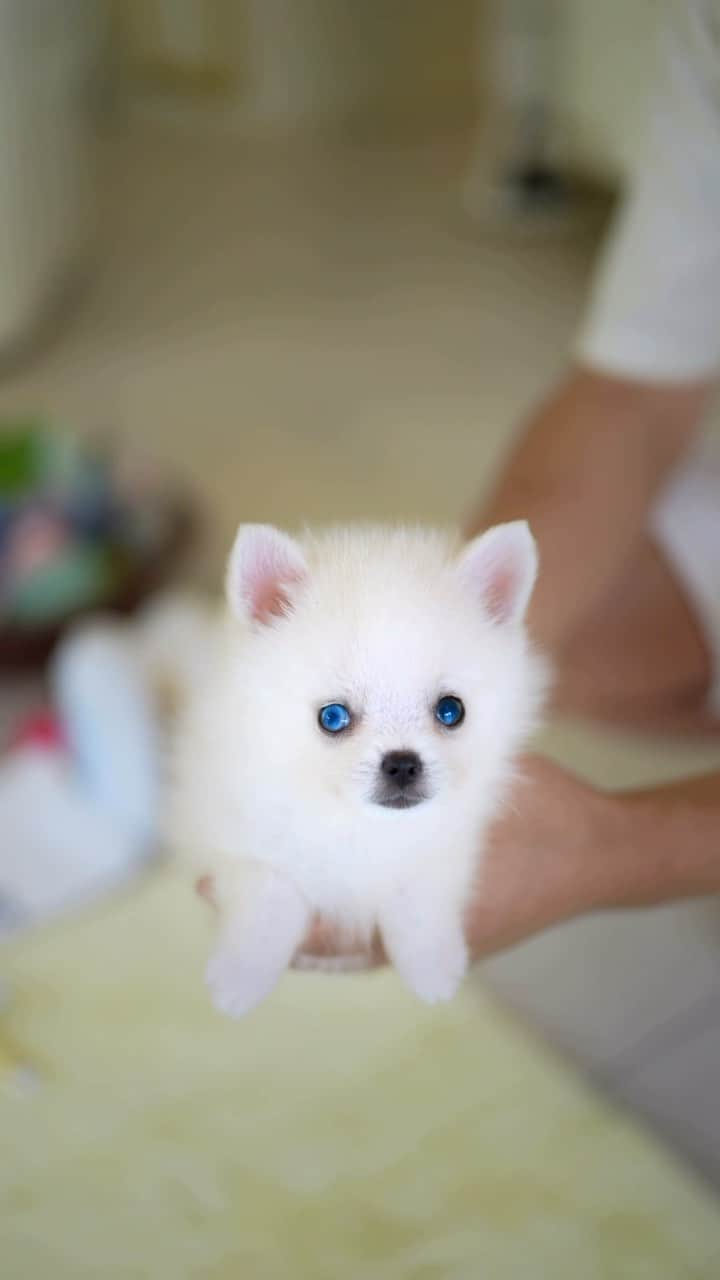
(235, 983)
(435, 971)
(257, 942)
(427, 948)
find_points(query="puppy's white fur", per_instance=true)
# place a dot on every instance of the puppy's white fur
(283, 815)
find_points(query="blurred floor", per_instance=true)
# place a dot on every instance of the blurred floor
(344, 1132)
(318, 334)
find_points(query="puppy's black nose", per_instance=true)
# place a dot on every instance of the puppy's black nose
(401, 768)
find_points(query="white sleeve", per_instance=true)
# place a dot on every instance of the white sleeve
(655, 308)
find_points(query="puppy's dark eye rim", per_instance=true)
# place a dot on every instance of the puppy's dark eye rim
(334, 718)
(449, 711)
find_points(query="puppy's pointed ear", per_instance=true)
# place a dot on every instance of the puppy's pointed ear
(264, 566)
(499, 568)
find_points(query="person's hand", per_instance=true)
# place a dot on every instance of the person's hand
(544, 863)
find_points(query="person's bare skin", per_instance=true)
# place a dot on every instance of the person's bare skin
(640, 660)
(585, 474)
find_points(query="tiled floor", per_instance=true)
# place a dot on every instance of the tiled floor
(318, 334)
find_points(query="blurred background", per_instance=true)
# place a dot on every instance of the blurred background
(292, 260)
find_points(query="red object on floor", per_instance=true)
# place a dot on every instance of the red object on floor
(40, 729)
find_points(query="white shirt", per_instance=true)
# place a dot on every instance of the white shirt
(655, 309)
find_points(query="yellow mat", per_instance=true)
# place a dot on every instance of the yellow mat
(342, 1132)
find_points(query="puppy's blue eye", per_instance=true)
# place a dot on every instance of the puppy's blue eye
(334, 717)
(450, 712)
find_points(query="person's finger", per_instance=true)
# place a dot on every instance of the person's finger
(326, 947)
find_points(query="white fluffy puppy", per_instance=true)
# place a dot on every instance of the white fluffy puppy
(352, 743)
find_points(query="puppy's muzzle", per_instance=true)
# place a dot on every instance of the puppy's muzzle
(401, 784)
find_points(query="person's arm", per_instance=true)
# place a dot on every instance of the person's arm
(669, 846)
(584, 474)
(565, 849)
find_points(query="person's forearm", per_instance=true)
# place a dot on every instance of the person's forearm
(584, 475)
(660, 845)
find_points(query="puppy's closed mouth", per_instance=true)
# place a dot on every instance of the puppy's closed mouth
(399, 801)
